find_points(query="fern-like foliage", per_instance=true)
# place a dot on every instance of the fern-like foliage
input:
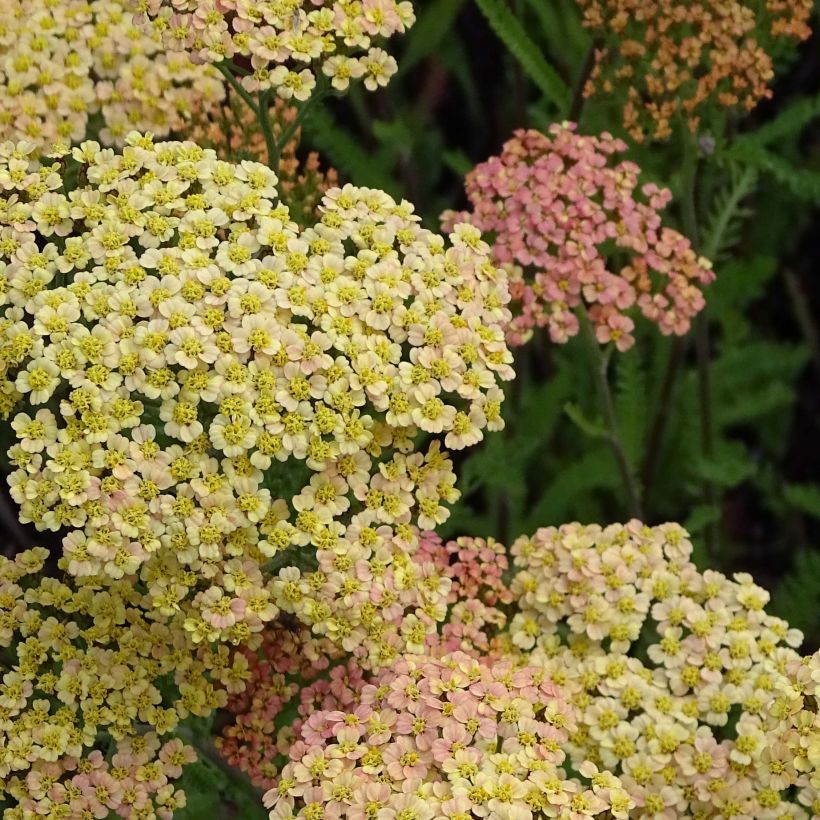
(344, 153)
(725, 222)
(631, 404)
(797, 598)
(515, 38)
(789, 122)
(803, 183)
(433, 25)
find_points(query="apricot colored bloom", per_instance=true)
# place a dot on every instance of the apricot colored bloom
(684, 687)
(232, 403)
(560, 210)
(289, 43)
(80, 665)
(437, 738)
(75, 67)
(232, 130)
(687, 59)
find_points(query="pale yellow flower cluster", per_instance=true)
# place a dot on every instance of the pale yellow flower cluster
(77, 661)
(212, 393)
(685, 688)
(288, 43)
(74, 67)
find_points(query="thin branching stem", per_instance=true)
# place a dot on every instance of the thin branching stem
(599, 366)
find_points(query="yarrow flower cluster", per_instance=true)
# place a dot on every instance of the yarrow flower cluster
(451, 738)
(556, 207)
(292, 670)
(681, 58)
(232, 130)
(77, 662)
(289, 43)
(63, 65)
(212, 394)
(685, 688)
(291, 674)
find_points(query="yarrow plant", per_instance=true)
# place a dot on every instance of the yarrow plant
(68, 68)
(77, 664)
(232, 129)
(686, 689)
(559, 210)
(292, 672)
(686, 59)
(289, 43)
(450, 738)
(178, 341)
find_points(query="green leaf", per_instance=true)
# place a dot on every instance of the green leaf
(802, 182)
(805, 497)
(434, 23)
(515, 38)
(790, 121)
(630, 404)
(594, 429)
(344, 152)
(723, 228)
(797, 598)
(729, 467)
(577, 481)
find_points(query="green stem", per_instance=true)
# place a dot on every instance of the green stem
(237, 87)
(576, 108)
(599, 371)
(702, 338)
(263, 115)
(318, 95)
(662, 415)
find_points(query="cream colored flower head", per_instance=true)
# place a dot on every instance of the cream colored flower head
(289, 44)
(73, 68)
(217, 403)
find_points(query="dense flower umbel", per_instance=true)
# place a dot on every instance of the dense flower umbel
(289, 43)
(186, 354)
(452, 738)
(679, 58)
(684, 686)
(559, 209)
(77, 664)
(289, 678)
(290, 670)
(232, 130)
(63, 65)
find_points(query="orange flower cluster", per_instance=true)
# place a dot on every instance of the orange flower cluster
(232, 130)
(679, 57)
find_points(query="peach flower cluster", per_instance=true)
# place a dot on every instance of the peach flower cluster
(290, 675)
(73, 67)
(288, 43)
(478, 593)
(450, 738)
(226, 407)
(83, 671)
(681, 58)
(560, 211)
(291, 670)
(232, 130)
(685, 689)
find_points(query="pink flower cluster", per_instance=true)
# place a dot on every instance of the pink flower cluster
(284, 673)
(557, 208)
(475, 567)
(452, 738)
